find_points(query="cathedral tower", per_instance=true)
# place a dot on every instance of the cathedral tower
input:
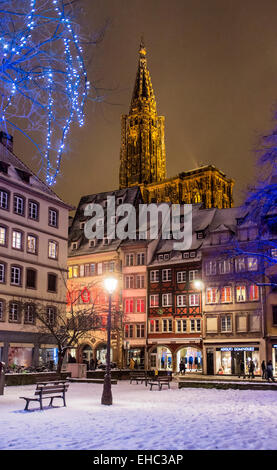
(142, 153)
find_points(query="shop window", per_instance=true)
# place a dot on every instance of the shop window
(75, 271)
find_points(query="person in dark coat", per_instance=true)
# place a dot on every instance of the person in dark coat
(269, 371)
(182, 366)
(251, 369)
(91, 364)
(263, 370)
(241, 370)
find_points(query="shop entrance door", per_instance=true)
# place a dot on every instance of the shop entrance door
(238, 358)
(210, 363)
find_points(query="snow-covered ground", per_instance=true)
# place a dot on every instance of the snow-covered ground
(141, 419)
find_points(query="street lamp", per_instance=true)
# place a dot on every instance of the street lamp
(107, 399)
(198, 284)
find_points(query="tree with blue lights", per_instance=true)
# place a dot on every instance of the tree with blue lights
(43, 78)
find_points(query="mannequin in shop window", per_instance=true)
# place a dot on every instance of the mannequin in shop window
(190, 362)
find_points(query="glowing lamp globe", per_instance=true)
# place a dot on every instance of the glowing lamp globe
(110, 284)
(198, 284)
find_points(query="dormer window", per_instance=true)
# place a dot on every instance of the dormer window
(92, 243)
(4, 167)
(24, 176)
(186, 255)
(106, 241)
(160, 257)
(166, 256)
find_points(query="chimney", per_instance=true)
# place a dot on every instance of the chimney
(6, 140)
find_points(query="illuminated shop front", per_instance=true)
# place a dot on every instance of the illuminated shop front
(161, 358)
(274, 359)
(192, 358)
(229, 358)
(48, 355)
(137, 354)
(20, 355)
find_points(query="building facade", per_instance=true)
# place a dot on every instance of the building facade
(33, 261)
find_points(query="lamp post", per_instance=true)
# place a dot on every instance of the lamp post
(107, 399)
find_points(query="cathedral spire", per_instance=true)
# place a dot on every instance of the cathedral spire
(142, 154)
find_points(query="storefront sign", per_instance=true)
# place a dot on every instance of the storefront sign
(274, 345)
(239, 348)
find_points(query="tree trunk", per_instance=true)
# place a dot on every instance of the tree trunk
(61, 355)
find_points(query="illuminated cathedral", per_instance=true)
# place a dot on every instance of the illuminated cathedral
(143, 155)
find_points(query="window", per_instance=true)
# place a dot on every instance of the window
(52, 249)
(195, 326)
(210, 268)
(140, 259)
(240, 265)
(16, 275)
(226, 323)
(129, 306)
(129, 259)
(274, 314)
(240, 293)
(75, 271)
(32, 244)
(140, 281)
(157, 326)
(2, 307)
(2, 273)
(181, 300)
(181, 326)
(254, 292)
(14, 312)
(166, 275)
(154, 300)
(241, 321)
(254, 322)
(226, 294)
(252, 264)
(33, 211)
(29, 314)
(3, 236)
(31, 278)
(211, 295)
(129, 282)
(154, 276)
(140, 330)
(52, 282)
(167, 325)
(17, 238)
(167, 300)
(224, 266)
(194, 300)
(129, 331)
(51, 315)
(193, 275)
(18, 205)
(211, 324)
(4, 199)
(53, 217)
(140, 306)
(181, 276)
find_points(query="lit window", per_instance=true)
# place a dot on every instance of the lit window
(226, 294)
(31, 244)
(17, 240)
(52, 249)
(254, 292)
(194, 300)
(181, 300)
(241, 293)
(252, 264)
(211, 295)
(129, 306)
(140, 306)
(3, 236)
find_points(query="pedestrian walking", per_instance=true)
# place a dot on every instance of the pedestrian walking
(269, 371)
(241, 370)
(2, 377)
(251, 369)
(263, 370)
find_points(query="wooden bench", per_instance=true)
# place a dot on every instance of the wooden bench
(48, 390)
(141, 377)
(160, 381)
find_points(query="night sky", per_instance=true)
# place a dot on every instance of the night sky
(213, 65)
